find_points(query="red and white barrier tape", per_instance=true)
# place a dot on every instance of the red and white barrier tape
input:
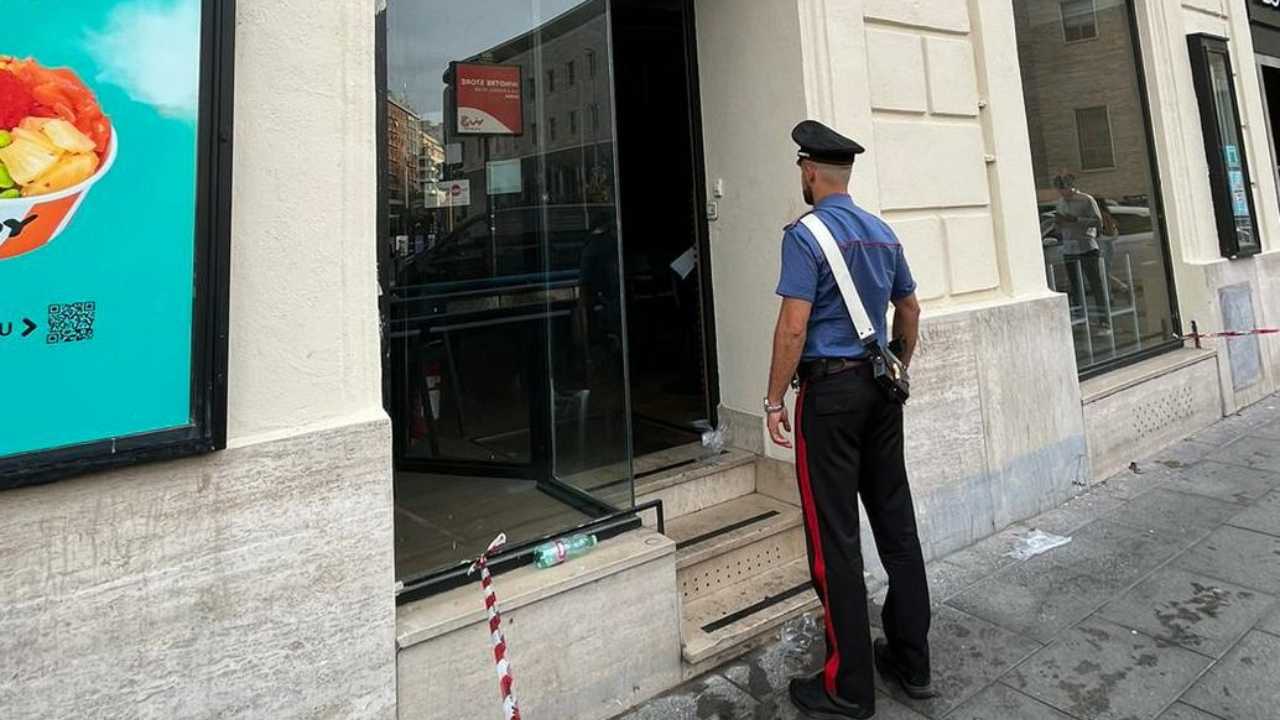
(1229, 333)
(501, 663)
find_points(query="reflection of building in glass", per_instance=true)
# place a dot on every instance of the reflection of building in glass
(568, 116)
(1085, 119)
(431, 157)
(404, 147)
(1083, 107)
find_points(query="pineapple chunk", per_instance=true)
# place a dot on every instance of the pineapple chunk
(68, 171)
(39, 138)
(33, 123)
(27, 160)
(67, 137)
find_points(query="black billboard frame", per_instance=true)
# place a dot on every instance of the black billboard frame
(207, 430)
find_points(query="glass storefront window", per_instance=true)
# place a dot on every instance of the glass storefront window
(1098, 203)
(501, 270)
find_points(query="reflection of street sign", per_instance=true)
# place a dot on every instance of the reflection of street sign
(505, 177)
(489, 99)
(449, 193)
(1237, 179)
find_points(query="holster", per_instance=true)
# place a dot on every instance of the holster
(889, 373)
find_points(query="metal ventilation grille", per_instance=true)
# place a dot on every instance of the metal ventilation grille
(1153, 417)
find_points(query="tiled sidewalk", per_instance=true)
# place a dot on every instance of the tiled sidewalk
(1164, 605)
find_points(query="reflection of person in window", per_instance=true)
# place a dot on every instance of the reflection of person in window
(1109, 232)
(1078, 220)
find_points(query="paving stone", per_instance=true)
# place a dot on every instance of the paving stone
(1179, 455)
(779, 707)
(1242, 686)
(1194, 611)
(967, 654)
(1271, 623)
(1234, 483)
(1053, 591)
(1239, 556)
(1254, 452)
(989, 555)
(1262, 413)
(766, 672)
(1179, 515)
(709, 698)
(1075, 513)
(1001, 702)
(1227, 430)
(1269, 430)
(1179, 711)
(1129, 484)
(1101, 671)
(1263, 517)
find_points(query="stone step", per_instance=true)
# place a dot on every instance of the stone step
(695, 484)
(735, 619)
(734, 541)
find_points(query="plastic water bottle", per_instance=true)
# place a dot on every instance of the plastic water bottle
(557, 551)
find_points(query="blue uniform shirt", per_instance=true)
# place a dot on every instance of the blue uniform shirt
(875, 259)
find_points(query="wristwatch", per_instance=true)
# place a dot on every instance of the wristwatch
(770, 408)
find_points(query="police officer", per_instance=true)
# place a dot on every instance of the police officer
(849, 436)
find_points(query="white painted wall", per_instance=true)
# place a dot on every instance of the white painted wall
(304, 320)
(752, 95)
(1199, 270)
(929, 88)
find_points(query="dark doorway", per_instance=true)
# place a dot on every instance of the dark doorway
(518, 356)
(1271, 87)
(667, 280)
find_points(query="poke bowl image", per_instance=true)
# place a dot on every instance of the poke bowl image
(55, 144)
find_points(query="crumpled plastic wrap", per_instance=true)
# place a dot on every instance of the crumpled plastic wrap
(1037, 542)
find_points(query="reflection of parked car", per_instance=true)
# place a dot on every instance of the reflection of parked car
(525, 241)
(1133, 223)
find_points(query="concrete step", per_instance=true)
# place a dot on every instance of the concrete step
(737, 618)
(734, 541)
(695, 484)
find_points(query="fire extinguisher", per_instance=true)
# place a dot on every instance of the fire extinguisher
(418, 420)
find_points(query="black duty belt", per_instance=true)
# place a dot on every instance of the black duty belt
(826, 367)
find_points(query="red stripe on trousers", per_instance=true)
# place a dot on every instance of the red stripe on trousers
(819, 563)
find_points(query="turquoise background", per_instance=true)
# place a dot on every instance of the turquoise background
(129, 249)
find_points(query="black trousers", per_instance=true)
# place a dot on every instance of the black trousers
(1093, 278)
(849, 444)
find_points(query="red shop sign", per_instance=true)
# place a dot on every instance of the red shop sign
(489, 99)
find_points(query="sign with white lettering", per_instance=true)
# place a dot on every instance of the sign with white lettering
(489, 99)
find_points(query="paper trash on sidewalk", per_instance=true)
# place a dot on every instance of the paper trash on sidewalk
(1037, 542)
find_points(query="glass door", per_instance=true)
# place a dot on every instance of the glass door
(501, 265)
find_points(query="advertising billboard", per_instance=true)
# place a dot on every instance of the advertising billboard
(490, 99)
(114, 191)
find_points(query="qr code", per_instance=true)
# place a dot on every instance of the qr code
(71, 322)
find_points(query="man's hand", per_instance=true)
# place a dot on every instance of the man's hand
(778, 421)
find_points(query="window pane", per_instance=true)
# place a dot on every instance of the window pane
(1229, 141)
(1094, 128)
(501, 267)
(1099, 228)
(1079, 20)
